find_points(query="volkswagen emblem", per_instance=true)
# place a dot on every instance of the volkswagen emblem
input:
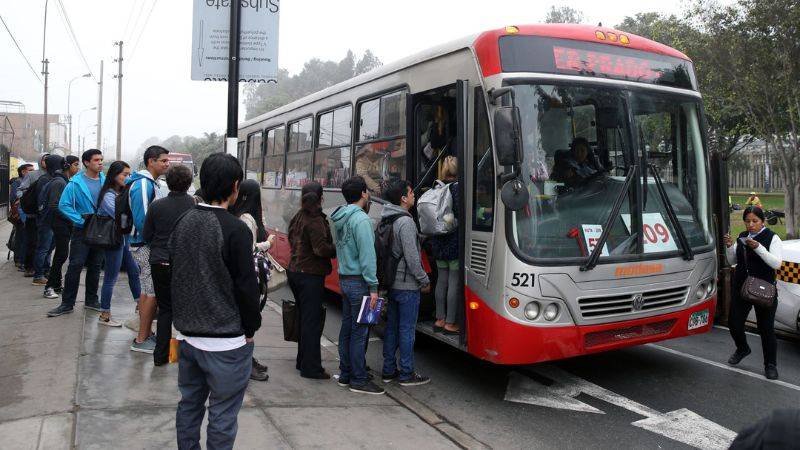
(638, 302)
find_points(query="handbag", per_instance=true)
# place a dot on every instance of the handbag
(757, 291)
(101, 232)
(291, 320)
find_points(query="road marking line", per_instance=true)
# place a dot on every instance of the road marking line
(681, 425)
(724, 366)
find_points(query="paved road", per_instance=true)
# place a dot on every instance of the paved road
(681, 393)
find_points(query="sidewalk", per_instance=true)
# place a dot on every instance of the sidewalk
(68, 382)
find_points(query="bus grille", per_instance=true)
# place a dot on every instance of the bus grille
(478, 258)
(616, 305)
(627, 333)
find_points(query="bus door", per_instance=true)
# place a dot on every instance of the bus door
(439, 130)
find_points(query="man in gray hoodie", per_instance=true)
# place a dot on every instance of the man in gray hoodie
(404, 295)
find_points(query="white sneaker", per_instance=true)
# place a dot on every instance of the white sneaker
(49, 293)
(108, 321)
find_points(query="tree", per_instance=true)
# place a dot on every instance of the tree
(315, 76)
(756, 49)
(563, 14)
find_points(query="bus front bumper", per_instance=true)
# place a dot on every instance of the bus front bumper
(497, 339)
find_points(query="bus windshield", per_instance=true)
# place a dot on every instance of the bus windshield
(579, 145)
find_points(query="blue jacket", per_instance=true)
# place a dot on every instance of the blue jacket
(76, 200)
(355, 244)
(143, 190)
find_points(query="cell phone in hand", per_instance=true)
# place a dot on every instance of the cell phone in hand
(743, 241)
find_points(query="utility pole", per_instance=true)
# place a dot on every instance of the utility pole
(99, 108)
(233, 79)
(45, 72)
(118, 76)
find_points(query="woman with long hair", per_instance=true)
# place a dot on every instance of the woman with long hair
(248, 209)
(114, 258)
(757, 252)
(312, 249)
(445, 252)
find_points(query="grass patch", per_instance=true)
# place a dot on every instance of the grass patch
(768, 201)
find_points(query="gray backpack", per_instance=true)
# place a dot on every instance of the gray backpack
(435, 208)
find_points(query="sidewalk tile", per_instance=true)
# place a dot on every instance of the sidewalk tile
(49, 432)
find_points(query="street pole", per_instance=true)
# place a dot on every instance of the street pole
(233, 79)
(100, 107)
(118, 76)
(45, 72)
(69, 114)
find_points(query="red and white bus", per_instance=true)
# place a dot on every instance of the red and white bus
(584, 175)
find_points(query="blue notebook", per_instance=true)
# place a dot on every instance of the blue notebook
(367, 315)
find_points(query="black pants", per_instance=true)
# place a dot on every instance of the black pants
(31, 241)
(308, 291)
(765, 318)
(61, 243)
(162, 281)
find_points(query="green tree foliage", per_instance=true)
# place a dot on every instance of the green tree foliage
(198, 147)
(747, 60)
(315, 76)
(563, 14)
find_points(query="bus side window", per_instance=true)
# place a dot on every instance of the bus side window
(332, 157)
(299, 158)
(483, 169)
(380, 154)
(273, 158)
(253, 165)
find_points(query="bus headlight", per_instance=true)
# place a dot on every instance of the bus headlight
(700, 292)
(532, 310)
(551, 312)
(710, 288)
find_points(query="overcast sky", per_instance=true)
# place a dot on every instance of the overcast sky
(159, 99)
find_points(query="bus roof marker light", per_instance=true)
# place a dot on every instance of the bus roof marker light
(600, 35)
(612, 37)
(511, 29)
(623, 39)
(473, 305)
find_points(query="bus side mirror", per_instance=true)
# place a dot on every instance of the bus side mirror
(507, 135)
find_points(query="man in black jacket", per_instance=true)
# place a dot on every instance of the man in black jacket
(158, 226)
(59, 226)
(215, 307)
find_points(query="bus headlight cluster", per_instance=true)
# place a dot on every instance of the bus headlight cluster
(534, 309)
(551, 312)
(704, 289)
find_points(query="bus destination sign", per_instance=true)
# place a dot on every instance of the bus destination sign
(607, 64)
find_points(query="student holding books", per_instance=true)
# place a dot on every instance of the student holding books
(404, 295)
(355, 253)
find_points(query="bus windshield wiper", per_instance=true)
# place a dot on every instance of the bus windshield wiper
(688, 254)
(591, 262)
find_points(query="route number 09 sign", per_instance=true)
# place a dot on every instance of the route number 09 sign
(657, 237)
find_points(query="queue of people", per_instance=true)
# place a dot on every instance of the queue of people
(178, 246)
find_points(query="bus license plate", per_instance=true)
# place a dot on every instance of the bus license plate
(698, 319)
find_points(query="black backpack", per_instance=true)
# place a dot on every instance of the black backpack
(28, 201)
(387, 262)
(123, 216)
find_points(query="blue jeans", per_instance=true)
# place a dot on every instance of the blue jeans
(219, 378)
(44, 243)
(353, 335)
(400, 332)
(81, 255)
(114, 261)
